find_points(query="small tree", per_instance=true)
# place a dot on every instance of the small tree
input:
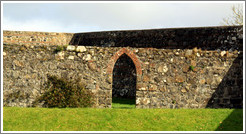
(237, 16)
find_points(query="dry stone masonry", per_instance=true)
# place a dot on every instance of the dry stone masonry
(162, 68)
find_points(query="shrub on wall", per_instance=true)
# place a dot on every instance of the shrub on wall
(63, 93)
(60, 48)
(192, 68)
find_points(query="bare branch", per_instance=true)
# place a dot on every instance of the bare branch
(236, 18)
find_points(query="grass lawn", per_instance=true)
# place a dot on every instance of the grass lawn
(123, 103)
(121, 117)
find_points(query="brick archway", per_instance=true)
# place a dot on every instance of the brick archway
(136, 62)
(129, 53)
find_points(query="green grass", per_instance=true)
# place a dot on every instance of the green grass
(121, 119)
(123, 103)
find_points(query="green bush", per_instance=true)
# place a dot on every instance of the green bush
(192, 68)
(60, 48)
(62, 93)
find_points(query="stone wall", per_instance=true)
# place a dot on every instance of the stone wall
(36, 38)
(189, 79)
(164, 77)
(206, 38)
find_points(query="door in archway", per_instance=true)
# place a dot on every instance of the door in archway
(124, 83)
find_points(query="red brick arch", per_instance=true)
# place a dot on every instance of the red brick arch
(128, 53)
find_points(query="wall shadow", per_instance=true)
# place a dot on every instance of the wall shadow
(234, 122)
(124, 81)
(229, 93)
(206, 38)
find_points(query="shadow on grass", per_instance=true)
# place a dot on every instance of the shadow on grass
(230, 124)
(123, 107)
(229, 94)
(124, 101)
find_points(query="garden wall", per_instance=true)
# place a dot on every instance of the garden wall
(36, 38)
(178, 74)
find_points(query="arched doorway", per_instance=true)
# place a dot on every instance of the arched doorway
(126, 56)
(124, 83)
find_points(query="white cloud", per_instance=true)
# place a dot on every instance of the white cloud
(32, 25)
(44, 26)
(86, 17)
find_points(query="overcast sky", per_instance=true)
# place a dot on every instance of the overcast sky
(87, 17)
